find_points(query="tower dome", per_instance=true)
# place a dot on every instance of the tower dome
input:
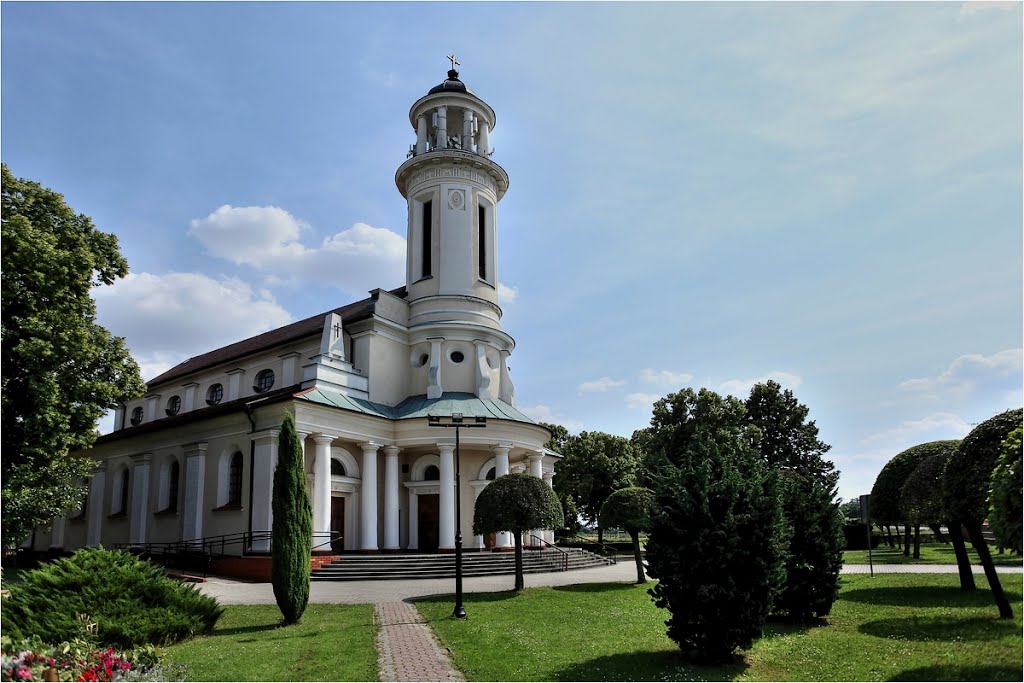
(451, 84)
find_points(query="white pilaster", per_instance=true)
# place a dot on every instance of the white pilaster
(504, 538)
(153, 411)
(57, 533)
(484, 391)
(265, 461)
(138, 520)
(391, 498)
(446, 502)
(368, 508)
(234, 383)
(434, 387)
(188, 401)
(195, 494)
(322, 492)
(95, 511)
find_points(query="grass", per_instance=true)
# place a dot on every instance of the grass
(931, 553)
(889, 627)
(330, 643)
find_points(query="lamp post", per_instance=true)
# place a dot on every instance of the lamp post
(457, 422)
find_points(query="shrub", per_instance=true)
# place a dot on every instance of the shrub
(856, 536)
(293, 527)
(717, 536)
(1006, 514)
(130, 601)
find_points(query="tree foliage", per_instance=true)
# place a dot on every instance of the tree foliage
(61, 370)
(1006, 514)
(630, 509)
(594, 464)
(292, 527)
(965, 489)
(921, 495)
(559, 436)
(717, 536)
(888, 488)
(517, 503)
(789, 443)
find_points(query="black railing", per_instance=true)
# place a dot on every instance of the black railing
(564, 558)
(603, 549)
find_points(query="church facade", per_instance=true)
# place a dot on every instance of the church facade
(195, 457)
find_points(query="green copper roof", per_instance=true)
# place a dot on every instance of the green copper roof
(420, 406)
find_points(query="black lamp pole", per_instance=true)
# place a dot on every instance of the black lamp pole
(456, 421)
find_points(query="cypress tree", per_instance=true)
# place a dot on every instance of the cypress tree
(292, 528)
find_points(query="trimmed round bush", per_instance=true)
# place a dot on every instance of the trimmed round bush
(1006, 509)
(968, 472)
(130, 601)
(888, 489)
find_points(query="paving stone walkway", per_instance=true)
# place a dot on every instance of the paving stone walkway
(406, 647)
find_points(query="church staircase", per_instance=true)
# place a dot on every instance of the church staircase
(442, 566)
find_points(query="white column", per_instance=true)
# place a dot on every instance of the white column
(322, 492)
(138, 520)
(262, 475)
(467, 131)
(446, 502)
(195, 494)
(478, 540)
(391, 498)
(414, 521)
(57, 533)
(368, 506)
(95, 511)
(483, 143)
(442, 127)
(421, 134)
(504, 538)
(537, 470)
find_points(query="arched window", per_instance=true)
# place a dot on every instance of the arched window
(235, 479)
(172, 487)
(490, 474)
(337, 469)
(431, 473)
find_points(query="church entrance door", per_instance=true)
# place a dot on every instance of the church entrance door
(337, 523)
(429, 507)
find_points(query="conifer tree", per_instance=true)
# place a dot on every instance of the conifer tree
(292, 528)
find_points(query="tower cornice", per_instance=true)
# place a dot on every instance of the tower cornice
(453, 163)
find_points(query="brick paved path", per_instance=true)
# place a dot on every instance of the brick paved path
(406, 647)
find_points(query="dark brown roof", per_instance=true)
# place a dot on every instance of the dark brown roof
(359, 310)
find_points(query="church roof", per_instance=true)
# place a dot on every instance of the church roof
(358, 310)
(451, 84)
(420, 406)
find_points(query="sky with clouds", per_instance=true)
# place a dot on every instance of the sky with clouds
(702, 194)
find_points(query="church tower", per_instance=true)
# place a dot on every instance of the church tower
(453, 188)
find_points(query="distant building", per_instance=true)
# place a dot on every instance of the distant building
(195, 457)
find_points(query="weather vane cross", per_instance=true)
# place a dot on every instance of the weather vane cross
(455, 62)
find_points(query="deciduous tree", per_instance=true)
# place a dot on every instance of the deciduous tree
(630, 509)
(293, 527)
(594, 464)
(61, 370)
(1005, 514)
(717, 535)
(965, 489)
(516, 503)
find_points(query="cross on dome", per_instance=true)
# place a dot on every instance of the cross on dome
(455, 62)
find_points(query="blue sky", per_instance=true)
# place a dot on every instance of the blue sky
(701, 194)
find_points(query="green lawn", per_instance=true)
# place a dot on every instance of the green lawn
(931, 553)
(889, 627)
(331, 643)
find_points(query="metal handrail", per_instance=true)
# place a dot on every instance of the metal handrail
(606, 550)
(565, 555)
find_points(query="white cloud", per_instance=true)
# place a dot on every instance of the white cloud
(665, 378)
(544, 413)
(166, 319)
(600, 384)
(639, 400)
(267, 238)
(741, 387)
(975, 6)
(970, 373)
(910, 432)
(506, 293)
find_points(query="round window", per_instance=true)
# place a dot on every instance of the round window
(173, 405)
(457, 356)
(137, 416)
(214, 394)
(264, 380)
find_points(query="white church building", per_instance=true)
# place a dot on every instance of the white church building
(195, 457)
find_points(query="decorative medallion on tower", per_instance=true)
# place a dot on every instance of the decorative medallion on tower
(457, 200)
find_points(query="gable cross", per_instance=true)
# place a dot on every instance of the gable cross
(337, 329)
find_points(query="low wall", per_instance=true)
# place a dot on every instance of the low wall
(256, 568)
